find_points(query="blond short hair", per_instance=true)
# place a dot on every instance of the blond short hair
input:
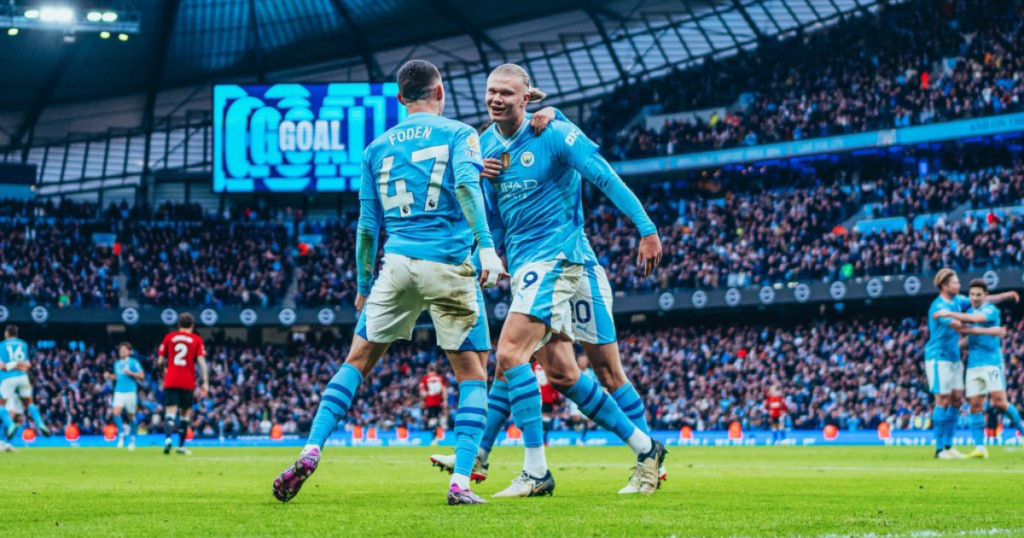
(943, 276)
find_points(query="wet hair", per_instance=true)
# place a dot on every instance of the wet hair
(515, 72)
(417, 79)
(125, 344)
(979, 283)
(11, 331)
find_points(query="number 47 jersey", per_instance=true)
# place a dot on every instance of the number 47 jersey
(411, 171)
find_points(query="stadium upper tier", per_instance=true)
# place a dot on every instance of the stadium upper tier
(179, 255)
(853, 373)
(921, 62)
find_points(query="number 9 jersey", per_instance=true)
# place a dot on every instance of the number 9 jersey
(181, 348)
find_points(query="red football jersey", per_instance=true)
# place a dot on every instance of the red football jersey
(548, 394)
(181, 349)
(433, 386)
(776, 406)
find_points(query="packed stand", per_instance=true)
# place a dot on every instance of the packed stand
(871, 72)
(56, 264)
(779, 235)
(853, 373)
(208, 263)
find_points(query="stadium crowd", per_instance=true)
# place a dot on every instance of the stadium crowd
(180, 255)
(907, 64)
(211, 262)
(851, 372)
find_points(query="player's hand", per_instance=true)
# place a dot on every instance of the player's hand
(649, 254)
(1013, 295)
(23, 366)
(360, 302)
(1000, 332)
(492, 169)
(205, 391)
(491, 268)
(541, 119)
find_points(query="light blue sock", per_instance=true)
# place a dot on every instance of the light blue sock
(1014, 414)
(469, 424)
(595, 403)
(952, 418)
(119, 424)
(498, 410)
(939, 427)
(5, 417)
(631, 404)
(33, 411)
(524, 397)
(977, 424)
(334, 404)
(134, 425)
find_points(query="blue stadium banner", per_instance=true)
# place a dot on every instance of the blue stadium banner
(936, 132)
(297, 137)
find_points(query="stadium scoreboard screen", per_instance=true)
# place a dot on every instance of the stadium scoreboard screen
(297, 137)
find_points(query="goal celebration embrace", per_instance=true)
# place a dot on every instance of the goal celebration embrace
(548, 256)
(614, 268)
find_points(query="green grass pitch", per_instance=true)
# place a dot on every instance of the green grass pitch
(715, 492)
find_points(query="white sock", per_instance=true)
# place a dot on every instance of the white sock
(639, 441)
(535, 464)
(460, 480)
(307, 448)
(482, 455)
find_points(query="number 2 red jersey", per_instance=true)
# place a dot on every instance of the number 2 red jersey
(181, 348)
(432, 386)
(776, 406)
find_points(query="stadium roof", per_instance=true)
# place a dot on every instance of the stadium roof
(66, 92)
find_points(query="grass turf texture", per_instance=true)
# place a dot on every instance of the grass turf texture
(749, 492)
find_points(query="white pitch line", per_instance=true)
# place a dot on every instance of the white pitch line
(909, 534)
(679, 465)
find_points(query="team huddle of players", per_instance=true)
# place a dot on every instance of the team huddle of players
(448, 200)
(973, 323)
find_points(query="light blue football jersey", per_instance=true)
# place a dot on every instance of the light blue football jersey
(411, 171)
(125, 382)
(985, 350)
(12, 350)
(944, 342)
(539, 195)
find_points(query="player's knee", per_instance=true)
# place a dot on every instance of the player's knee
(508, 358)
(561, 380)
(612, 379)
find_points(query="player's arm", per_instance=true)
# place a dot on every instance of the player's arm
(595, 169)
(962, 342)
(139, 375)
(962, 317)
(161, 353)
(541, 118)
(204, 373)
(367, 232)
(466, 165)
(494, 221)
(1003, 297)
(966, 330)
